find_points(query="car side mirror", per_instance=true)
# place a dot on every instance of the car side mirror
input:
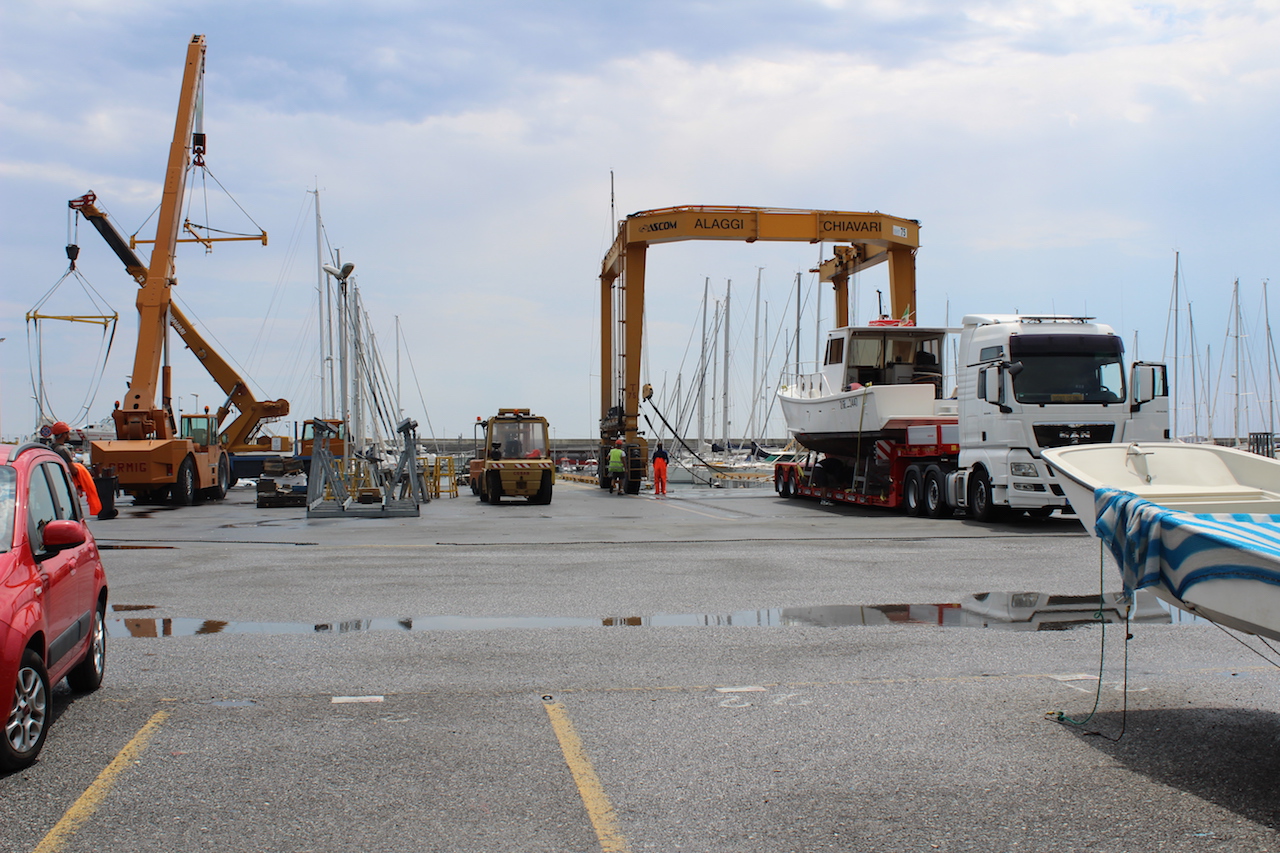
(63, 533)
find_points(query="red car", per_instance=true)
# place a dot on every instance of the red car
(53, 596)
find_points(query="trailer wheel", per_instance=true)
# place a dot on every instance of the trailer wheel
(935, 495)
(183, 490)
(782, 484)
(980, 506)
(913, 492)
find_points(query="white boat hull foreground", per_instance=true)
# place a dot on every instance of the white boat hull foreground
(1198, 524)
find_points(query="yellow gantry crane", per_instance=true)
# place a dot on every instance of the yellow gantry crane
(863, 240)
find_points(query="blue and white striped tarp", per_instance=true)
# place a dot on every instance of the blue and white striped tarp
(1155, 545)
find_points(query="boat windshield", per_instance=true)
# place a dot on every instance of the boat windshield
(1068, 368)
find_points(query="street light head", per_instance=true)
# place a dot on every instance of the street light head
(340, 274)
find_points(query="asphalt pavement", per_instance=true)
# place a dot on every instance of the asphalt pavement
(722, 670)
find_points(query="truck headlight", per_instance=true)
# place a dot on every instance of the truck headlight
(1023, 469)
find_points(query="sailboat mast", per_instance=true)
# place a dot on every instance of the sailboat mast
(702, 367)
(1177, 373)
(322, 303)
(724, 391)
(1235, 306)
(755, 365)
(797, 349)
(1271, 355)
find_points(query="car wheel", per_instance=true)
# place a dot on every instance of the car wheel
(183, 491)
(912, 492)
(935, 495)
(87, 676)
(28, 722)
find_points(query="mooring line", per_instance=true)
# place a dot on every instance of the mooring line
(603, 817)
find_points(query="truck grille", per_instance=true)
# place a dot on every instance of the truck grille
(1063, 435)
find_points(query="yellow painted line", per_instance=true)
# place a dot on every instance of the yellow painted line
(599, 809)
(82, 809)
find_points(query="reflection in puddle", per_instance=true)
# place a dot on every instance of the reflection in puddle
(1018, 611)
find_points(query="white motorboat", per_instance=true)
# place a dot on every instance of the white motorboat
(876, 381)
(1197, 523)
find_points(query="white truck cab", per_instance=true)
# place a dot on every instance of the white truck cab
(1027, 382)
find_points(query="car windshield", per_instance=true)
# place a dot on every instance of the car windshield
(8, 490)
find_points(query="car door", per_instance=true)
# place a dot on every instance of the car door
(57, 571)
(81, 556)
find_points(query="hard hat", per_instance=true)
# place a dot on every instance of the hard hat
(618, 442)
(60, 428)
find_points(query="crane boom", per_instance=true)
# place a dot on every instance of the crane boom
(252, 412)
(138, 417)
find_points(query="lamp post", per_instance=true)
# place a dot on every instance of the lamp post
(342, 274)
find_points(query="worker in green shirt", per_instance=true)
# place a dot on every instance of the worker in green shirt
(617, 466)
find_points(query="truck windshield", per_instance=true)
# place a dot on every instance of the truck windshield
(1068, 368)
(520, 440)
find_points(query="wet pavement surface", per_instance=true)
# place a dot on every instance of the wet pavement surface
(719, 671)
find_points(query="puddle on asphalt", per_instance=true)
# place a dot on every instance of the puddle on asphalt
(1017, 611)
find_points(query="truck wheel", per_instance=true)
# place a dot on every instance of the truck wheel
(495, 488)
(980, 506)
(935, 495)
(183, 490)
(544, 490)
(218, 490)
(912, 492)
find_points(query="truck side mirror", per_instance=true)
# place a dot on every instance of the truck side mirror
(982, 384)
(1149, 382)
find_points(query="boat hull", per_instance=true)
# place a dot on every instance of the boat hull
(850, 422)
(1198, 524)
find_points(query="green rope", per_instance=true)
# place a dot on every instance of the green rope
(1061, 716)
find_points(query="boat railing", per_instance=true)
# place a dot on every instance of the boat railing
(805, 385)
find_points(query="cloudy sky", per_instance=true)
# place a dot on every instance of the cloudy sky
(1057, 154)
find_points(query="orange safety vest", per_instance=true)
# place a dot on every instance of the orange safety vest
(85, 484)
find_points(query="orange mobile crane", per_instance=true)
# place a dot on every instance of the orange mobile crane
(151, 458)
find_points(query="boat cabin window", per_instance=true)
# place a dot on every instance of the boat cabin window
(835, 351)
(893, 357)
(1068, 368)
